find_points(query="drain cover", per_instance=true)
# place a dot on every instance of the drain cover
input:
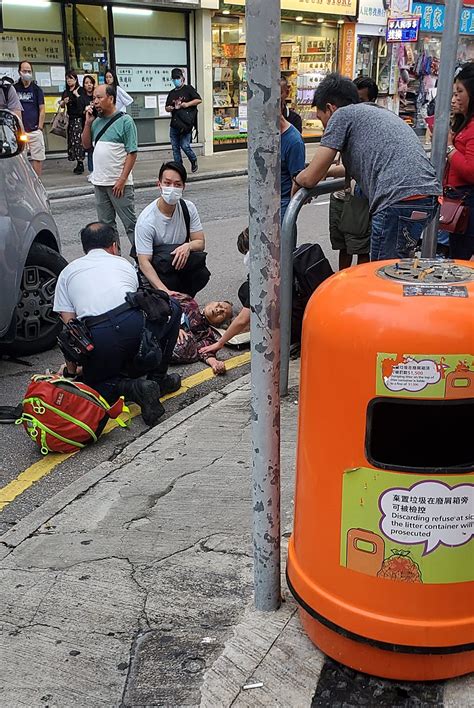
(426, 270)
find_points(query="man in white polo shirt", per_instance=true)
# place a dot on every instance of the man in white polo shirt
(93, 289)
(113, 135)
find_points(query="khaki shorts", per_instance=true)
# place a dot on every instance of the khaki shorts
(36, 145)
(354, 245)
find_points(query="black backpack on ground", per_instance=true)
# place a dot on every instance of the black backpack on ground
(310, 269)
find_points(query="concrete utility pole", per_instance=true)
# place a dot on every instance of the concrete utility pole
(447, 64)
(263, 73)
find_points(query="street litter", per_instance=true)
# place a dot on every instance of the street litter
(248, 686)
(208, 640)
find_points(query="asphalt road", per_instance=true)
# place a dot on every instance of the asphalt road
(222, 205)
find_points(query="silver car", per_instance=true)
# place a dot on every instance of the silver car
(30, 261)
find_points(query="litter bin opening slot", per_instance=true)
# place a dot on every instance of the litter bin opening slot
(423, 436)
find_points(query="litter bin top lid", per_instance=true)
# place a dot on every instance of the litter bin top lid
(426, 270)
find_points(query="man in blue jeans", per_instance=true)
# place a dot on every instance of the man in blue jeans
(384, 156)
(182, 103)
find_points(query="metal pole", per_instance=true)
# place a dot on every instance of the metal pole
(447, 64)
(263, 73)
(287, 247)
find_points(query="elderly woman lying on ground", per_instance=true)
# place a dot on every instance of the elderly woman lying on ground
(197, 331)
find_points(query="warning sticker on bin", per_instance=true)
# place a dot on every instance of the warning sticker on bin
(435, 290)
(448, 376)
(408, 528)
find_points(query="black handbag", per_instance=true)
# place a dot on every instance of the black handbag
(162, 259)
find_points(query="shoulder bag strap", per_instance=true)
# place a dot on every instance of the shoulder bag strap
(187, 218)
(107, 126)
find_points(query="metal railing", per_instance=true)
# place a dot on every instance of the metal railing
(288, 245)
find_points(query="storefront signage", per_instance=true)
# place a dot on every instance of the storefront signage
(403, 29)
(335, 7)
(37, 47)
(347, 49)
(372, 12)
(432, 18)
(145, 78)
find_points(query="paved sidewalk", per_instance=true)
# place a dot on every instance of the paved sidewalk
(60, 181)
(133, 586)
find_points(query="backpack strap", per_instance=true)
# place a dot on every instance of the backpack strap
(118, 115)
(187, 218)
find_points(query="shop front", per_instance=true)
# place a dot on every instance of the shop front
(310, 49)
(142, 44)
(419, 62)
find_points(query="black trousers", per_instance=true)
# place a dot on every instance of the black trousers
(116, 342)
(186, 282)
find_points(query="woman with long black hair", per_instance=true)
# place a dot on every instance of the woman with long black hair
(459, 175)
(123, 98)
(72, 98)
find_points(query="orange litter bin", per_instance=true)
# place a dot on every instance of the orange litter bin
(381, 560)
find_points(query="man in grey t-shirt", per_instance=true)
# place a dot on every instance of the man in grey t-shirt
(9, 97)
(384, 156)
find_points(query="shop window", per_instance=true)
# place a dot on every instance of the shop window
(33, 16)
(87, 38)
(132, 22)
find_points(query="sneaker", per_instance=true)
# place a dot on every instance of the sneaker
(194, 166)
(79, 168)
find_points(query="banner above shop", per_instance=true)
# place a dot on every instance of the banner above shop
(403, 29)
(432, 18)
(372, 12)
(325, 7)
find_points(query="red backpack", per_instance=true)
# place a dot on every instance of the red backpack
(61, 415)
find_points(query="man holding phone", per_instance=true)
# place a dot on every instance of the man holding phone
(384, 155)
(113, 135)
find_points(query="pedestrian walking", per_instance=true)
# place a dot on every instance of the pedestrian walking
(123, 98)
(72, 99)
(114, 137)
(291, 116)
(458, 180)
(32, 102)
(169, 239)
(88, 85)
(384, 156)
(182, 103)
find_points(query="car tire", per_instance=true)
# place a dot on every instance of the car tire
(37, 325)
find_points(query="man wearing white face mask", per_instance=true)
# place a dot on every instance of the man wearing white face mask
(169, 239)
(32, 102)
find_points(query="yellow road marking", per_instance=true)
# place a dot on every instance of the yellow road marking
(47, 464)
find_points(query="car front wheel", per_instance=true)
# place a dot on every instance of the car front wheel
(37, 326)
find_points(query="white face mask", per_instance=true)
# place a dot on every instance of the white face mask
(26, 75)
(171, 195)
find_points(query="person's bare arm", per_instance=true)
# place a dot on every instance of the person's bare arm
(190, 104)
(119, 185)
(42, 114)
(238, 325)
(70, 366)
(86, 133)
(316, 171)
(146, 267)
(67, 316)
(181, 253)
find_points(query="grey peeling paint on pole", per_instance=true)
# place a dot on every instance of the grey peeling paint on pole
(447, 64)
(263, 73)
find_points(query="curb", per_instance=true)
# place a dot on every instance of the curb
(10, 540)
(68, 192)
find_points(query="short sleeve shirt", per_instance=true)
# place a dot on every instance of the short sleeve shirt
(155, 229)
(292, 160)
(382, 153)
(31, 99)
(12, 102)
(184, 93)
(94, 284)
(111, 151)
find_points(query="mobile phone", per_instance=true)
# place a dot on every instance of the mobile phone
(418, 215)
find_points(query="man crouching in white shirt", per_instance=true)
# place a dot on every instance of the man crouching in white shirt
(93, 289)
(169, 239)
